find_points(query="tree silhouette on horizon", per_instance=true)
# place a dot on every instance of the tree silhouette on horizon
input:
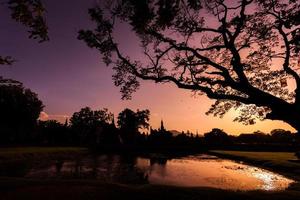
(86, 123)
(20, 109)
(130, 122)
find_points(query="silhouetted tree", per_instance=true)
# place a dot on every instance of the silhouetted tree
(52, 132)
(30, 14)
(88, 124)
(130, 122)
(20, 109)
(217, 137)
(160, 138)
(282, 136)
(257, 137)
(223, 49)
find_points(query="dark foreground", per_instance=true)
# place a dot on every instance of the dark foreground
(21, 188)
(77, 189)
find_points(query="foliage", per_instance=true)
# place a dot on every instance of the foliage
(20, 109)
(7, 60)
(29, 13)
(52, 132)
(243, 54)
(282, 136)
(217, 137)
(87, 117)
(87, 122)
(130, 122)
(254, 138)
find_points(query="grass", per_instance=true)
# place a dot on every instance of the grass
(12, 156)
(32, 150)
(281, 162)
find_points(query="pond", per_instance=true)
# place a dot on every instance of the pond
(190, 171)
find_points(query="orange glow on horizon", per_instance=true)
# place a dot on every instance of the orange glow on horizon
(180, 111)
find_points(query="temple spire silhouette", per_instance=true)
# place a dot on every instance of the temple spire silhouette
(162, 128)
(113, 121)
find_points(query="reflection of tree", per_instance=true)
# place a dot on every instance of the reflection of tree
(121, 168)
(58, 166)
(158, 160)
(157, 165)
(157, 168)
(95, 164)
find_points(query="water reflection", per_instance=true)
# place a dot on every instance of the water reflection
(217, 173)
(192, 171)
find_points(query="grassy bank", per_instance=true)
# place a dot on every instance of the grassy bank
(281, 162)
(19, 151)
(23, 152)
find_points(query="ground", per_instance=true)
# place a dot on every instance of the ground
(19, 152)
(20, 188)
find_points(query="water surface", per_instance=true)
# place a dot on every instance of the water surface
(191, 171)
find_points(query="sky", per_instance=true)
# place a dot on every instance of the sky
(67, 75)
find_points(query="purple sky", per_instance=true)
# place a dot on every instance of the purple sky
(67, 75)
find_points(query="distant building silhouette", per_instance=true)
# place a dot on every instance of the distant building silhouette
(162, 128)
(113, 121)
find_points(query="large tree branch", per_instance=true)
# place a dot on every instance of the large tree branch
(286, 63)
(287, 57)
(184, 47)
(165, 78)
(256, 95)
(238, 67)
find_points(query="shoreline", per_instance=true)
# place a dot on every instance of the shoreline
(288, 172)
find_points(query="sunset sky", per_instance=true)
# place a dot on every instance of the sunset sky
(67, 75)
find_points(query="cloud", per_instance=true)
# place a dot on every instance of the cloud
(45, 116)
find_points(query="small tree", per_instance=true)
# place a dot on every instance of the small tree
(52, 132)
(20, 109)
(130, 122)
(86, 122)
(282, 136)
(217, 137)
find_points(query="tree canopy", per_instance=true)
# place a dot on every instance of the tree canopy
(20, 109)
(243, 53)
(130, 122)
(133, 121)
(86, 123)
(29, 13)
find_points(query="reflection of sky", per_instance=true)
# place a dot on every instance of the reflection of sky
(68, 75)
(218, 173)
(186, 172)
(267, 179)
